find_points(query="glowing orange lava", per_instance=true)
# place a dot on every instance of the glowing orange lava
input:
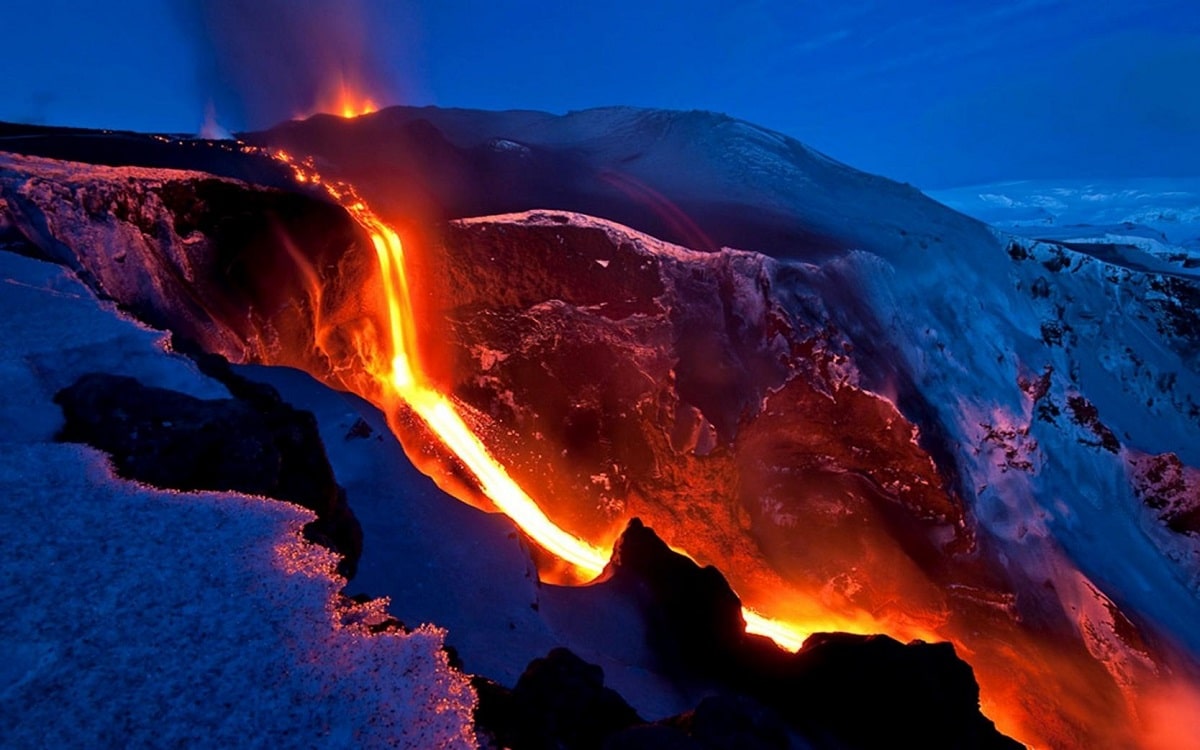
(343, 99)
(787, 636)
(394, 370)
(443, 418)
(1032, 689)
(400, 375)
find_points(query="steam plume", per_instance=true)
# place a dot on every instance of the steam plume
(273, 60)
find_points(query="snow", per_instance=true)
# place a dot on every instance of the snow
(966, 324)
(136, 617)
(57, 331)
(967, 329)
(480, 585)
(1170, 206)
(442, 561)
(65, 171)
(618, 234)
(502, 145)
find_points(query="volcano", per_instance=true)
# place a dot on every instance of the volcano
(719, 382)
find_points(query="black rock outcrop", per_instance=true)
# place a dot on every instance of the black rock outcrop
(694, 619)
(560, 701)
(838, 691)
(253, 443)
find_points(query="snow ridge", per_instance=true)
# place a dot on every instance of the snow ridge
(144, 618)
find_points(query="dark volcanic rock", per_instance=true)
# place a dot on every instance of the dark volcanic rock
(559, 702)
(695, 619)
(838, 691)
(873, 691)
(735, 722)
(253, 443)
(652, 737)
(1170, 489)
(253, 273)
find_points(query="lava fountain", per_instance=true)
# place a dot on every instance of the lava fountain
(342, 97)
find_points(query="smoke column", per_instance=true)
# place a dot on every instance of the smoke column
(272, 60)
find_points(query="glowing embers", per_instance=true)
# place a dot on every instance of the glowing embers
(349, 105)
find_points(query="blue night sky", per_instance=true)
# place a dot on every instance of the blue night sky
(935, 93)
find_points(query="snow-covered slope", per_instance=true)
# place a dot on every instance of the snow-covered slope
(439, 560)
(695, 178)
(1168, 207)
(135, 617)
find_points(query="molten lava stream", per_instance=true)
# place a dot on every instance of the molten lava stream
(402, 381)
(440, 415)
(394, 381)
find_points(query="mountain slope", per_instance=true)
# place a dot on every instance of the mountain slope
(696, 178)
(1046, 394)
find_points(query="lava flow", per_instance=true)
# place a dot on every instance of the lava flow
(399, 373)
(1017, 670)
(390, 373)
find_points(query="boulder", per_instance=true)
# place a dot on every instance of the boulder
(559, 702)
